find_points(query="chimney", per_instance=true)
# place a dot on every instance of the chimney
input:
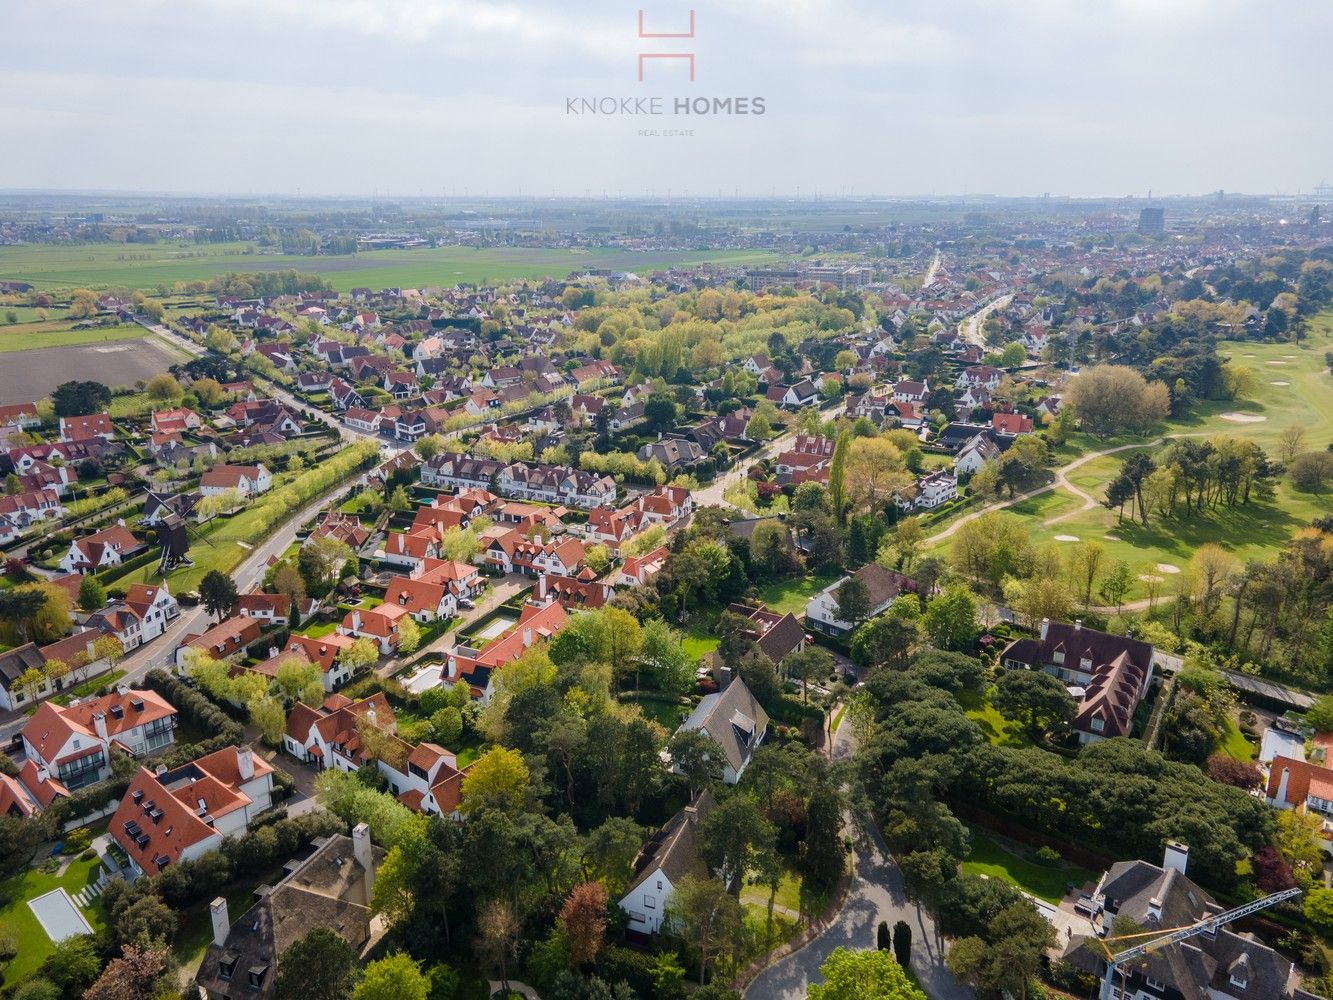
(356, 621)
(691, 814)
(1178, 854)
(123, 690)
(1045, 627)
(43, 775)
(99, 724)
(245, 763)
(527, 637)
(1078, 624)
(364, 855)
(221, 921)
(1154, 909)
(88, 650)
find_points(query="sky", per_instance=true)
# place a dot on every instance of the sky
(861, 97)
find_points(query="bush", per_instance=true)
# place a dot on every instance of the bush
(634, 967)
(1048, 855)
(76, 841)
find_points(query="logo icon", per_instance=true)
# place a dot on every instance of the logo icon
(645, 56)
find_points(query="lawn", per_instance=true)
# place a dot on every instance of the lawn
(697, 641)
(1234, 743)
(999, 730)
(1041, 880)
(54, 333)
(666, 711)
(148, 266)
(788, 896)
(33, 944)
(793, 594)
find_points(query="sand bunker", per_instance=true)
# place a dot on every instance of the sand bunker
(1111, 538)
(1244, 418)
(1281, 383)
(1277, 362)
(1167, 568)
(1149, 578)
(1247, 355)
(1066, 538)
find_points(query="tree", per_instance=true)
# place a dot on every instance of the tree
(446, 726)
(409, 635)
(133, 976)
(397, 977)
(73, 966)
(297, 679)
(661, 652)
(1115, 585)
(1320, 714)
(597, 558)
(696, 755)
(759, 427)
(162, 387)
(1319, 908)
(1291, 442)
(92, 595)
(1311, 471)
(875, 472)
(1111, 399)
(951, 618)
(863, 975)
(319, 966)
(902, 943)
(270, 717)
(908, 537)
(1035, 697)
(430, 446)
(853, 601)
(708, 918)
(20, 607)
(659, 412)
(82, 303)
(1084, 564)
(888, 639)
(30, 682)
(498, 932)
(497, 780)
(217, 593)
(731, 834)
(811, 663)
(360, 656)
(583, 921)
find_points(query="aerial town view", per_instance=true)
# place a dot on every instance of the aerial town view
(754, 502)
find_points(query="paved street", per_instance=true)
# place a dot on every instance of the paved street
(876, 894)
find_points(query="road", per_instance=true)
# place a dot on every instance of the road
(929, 279)
(876, 894)
(711, 494)
(970, 327)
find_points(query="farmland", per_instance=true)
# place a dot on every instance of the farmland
(147, 266)
(28, 374)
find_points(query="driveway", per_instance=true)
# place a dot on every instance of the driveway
(876, 894)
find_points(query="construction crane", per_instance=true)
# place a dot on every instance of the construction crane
(1208, 925)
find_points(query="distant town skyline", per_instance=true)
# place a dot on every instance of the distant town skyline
(401, 98)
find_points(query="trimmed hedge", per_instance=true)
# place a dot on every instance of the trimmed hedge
(201, 711)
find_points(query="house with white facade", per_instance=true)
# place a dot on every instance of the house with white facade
(882, 588)
(671, 854)
(178, 815)
(73, 742)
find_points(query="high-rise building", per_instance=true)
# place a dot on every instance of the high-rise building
(1152, 220)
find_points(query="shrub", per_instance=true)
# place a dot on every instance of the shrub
(1048, 855)
(76, 841)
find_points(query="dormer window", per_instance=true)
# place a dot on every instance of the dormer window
(227, 966)
(1058, 656)
(1239, 982)
(1097, 725)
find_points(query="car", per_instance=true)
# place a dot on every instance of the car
(465, 602)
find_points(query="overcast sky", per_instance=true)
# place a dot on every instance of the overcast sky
(407, 97)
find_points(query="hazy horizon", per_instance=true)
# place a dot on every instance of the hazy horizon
(431, 98)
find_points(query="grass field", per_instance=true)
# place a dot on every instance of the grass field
(1041, 880)
(57, 333)
(1236, 745)
(148, 266)
(16, 917)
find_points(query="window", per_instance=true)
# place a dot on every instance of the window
(226, 967)
(1097, 725)
(1238, 980)
(649, 902)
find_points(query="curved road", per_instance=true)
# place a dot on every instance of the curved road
(876, 894)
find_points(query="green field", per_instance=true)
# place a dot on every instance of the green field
(1041, 880)
(17, 919)
(56, 333)
(151, 265)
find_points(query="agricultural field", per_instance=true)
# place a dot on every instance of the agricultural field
(127, 355)
(146, 266)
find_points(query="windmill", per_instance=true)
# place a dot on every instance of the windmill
(173, 539)
(1161, 939)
